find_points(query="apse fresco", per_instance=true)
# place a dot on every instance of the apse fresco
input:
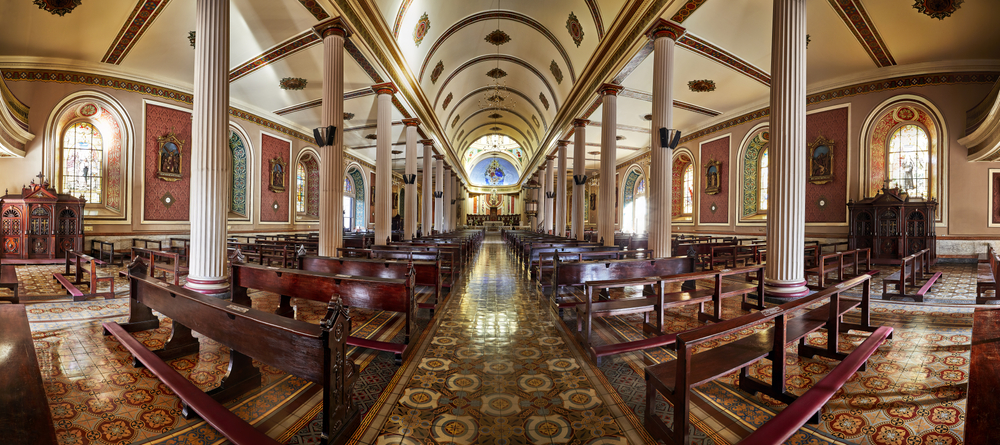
(494, 171)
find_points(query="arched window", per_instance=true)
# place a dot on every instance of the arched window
(762, 182)
(300, 188)
(688, 189)
(909, 151)
(634, 198)
(641, 207)
(83, 162)
(354, 199)
(240, 157)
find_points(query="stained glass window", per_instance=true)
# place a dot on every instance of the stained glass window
(909, 151)
(640, 206)
(688, 190)
(300, 188)
(762, 181)
(347, 186)
(83, 162)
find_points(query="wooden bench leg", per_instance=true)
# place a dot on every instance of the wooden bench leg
(181, 343)
(285, 308)
(241, 377)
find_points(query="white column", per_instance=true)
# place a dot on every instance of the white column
(455, 194)
(331, 174)
(560, 228)
(383, 162)
(533, 195)
(541, 198)
(410, 207)
(427, 212)
(606, 195)
(579, 170)
(449, 198)
(784, 274)
(550, 191)
(439, 190)
(210, 150)
(664, 33)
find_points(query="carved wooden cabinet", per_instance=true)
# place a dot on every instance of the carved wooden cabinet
(38, 223)
(892, 227)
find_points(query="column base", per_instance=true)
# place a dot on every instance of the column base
(784, 290)
(213, 287)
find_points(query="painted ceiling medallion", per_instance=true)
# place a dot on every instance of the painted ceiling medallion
(447, 101)
(619, 138)
(293, 83)
(556, 72)
(647, 117)
(575, 29)
(58, 7)
(497, 37)
(455, 121)
(88, 110)
(461, 134)
(396, 152)
(420, 31)
(938, 9)
(495, 116)
(191, 35)
(702, 86)
(348, 116)
(496, 73)
(438, 69)
(534, 120)
(495, 128)
(371, 136)
(545, 102)
(496, 99)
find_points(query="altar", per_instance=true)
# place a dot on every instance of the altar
(493, 226)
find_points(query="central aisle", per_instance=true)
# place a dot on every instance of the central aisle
(495, 367)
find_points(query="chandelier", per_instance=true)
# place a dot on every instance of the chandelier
(496, 96)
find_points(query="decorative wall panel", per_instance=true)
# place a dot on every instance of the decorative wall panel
(828, 202)
(166, 200)
(274, 205)
(714, 208)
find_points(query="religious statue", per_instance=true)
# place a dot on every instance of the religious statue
(169, 157)
(821, 161)
(276, 179)
(713, 174)
(593, 202)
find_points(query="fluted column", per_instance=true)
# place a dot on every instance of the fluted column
(427, 211)
(331, 174)
(549, 194)
(560, 228)
(533, 195)
(579, 170)
(455, 195)
(383, 162)
(664, 34)
(210, 150)
(439, 191)
(606, 201)
(784, 274)
(449, 198)
(410, 185)
(541, 198)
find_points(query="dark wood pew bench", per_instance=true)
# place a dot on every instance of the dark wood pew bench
(986, 273)
(825, 265)
(983, 407)
(382, 294)
(576, 273)
(161, 261)
(442, 258)
(426, 273)
(317, 353)
(24, 408)
(81, 263)
(542, 272)
(911, 268)
(782, 426)
(105, 251)
(661, 300)
(675, 379)
(8, 280)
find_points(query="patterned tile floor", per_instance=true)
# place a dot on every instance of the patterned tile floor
(497, 366)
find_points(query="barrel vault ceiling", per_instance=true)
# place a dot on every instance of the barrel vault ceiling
(550, 55)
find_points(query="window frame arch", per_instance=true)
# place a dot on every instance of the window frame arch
(250, 172)
(892, 132)
(360, 196)
(763, 204)
(61, 156)
(677, 178)
(757, 217)
(302, 157)
(626, 190)
(937, 137)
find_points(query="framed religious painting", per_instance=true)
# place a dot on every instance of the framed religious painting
(821, 161)
(713, 175)
(169, 157)
(276, 177)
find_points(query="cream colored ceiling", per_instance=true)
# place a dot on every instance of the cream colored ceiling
(741, 27)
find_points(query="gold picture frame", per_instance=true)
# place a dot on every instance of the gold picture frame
(821, 161)
(277, 170)
(169, 158)
(713, 177)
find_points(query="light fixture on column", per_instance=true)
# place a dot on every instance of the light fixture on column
(669, 138)
(550, 195)
(409, 179)
(324, 135)
(439, 194)
(579, 179)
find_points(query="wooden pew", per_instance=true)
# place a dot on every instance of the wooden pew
(180, 245)
(675, 379)
(83, 263)
(426, 273)
(986, 274)
(825, 264)
(782, 426)
(661, 300)
(317, 353)
(103, 249)
(443, 258)
(150, 244)
(24, 408)
(911, 268)
(983, 407)
(579, 272)
(365, 292)
(161, 261)
(542, 272)
(8, 280)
